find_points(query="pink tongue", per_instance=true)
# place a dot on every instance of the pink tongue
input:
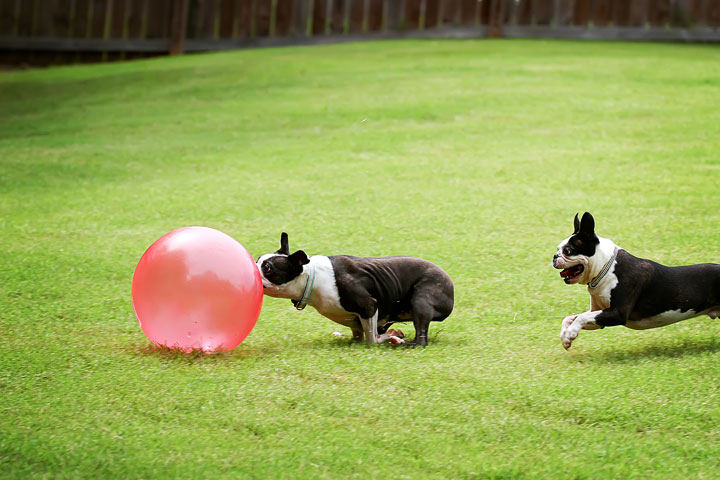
(569, 271)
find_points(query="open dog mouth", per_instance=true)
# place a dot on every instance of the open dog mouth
(571, 273)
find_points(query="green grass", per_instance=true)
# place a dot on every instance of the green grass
(472, 154)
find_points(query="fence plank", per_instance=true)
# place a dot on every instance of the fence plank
(145, 19)
(94, 45)
(456, 12)
(440, 11)
(447, 13)
(621, 13)
(205, 22)
(524, 13)
(159, 14)
(25, 19)
(542, 12)
(284, 17)
(495, 27)
(245, 21)
(96, 18)
(59, 18)
(309, 9)
(226, 18)
(615, 33)
(393, 15)
(484, 13)
(680, 14)
(346, 10)
(565, 11)
(375, 18)
(108, 14)
(354, 16)
(328, 19)
(8, 19)
(695, 10)
(659, 13)
(602, 13)
(135, 24)
(411, 14)
(508, 11)
(713, 13)
(638, 14)
(228, 23)
(117, 20)
(134, 18)
(582, 12)
(429, 13)
(178, 26)
(80, 19)
(260, 18)
(467, 12)
(318, 17)
(334, 17)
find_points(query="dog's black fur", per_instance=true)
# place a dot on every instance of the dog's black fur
(632, 291)
(397, 288)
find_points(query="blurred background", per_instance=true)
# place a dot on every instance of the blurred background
(44, 32)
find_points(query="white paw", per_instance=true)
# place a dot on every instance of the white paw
(337, 334)
(567, 321)
(567, 336)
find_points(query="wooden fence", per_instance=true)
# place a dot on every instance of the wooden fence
(72, 30)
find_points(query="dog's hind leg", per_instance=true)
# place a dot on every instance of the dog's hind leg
(429, 304)
(423, 313)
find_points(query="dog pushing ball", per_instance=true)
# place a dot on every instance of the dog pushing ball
(197, 288)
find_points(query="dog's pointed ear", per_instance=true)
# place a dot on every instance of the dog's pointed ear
(284, 245)
(577, 224)
(587, 224)
(299, 257)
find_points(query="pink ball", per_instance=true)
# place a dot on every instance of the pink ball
(197, 288)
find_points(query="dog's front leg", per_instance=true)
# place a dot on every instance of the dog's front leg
(572, 325)
(370, 328)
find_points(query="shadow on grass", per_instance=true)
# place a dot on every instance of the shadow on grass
(346, 341)
(238, 353)
(634, 353)
(271, 348)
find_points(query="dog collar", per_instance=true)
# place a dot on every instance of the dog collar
(595, 281)
(302, 303)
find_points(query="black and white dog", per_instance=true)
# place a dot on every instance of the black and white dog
(630, 291)
(366, 294)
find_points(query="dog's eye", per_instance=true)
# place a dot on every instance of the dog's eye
(266, 268)
(566, 251)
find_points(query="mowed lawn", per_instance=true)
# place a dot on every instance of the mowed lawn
(473, 154)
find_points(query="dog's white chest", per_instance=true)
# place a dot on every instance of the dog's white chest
(328, 307)
(601, 294)
(325, 297)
